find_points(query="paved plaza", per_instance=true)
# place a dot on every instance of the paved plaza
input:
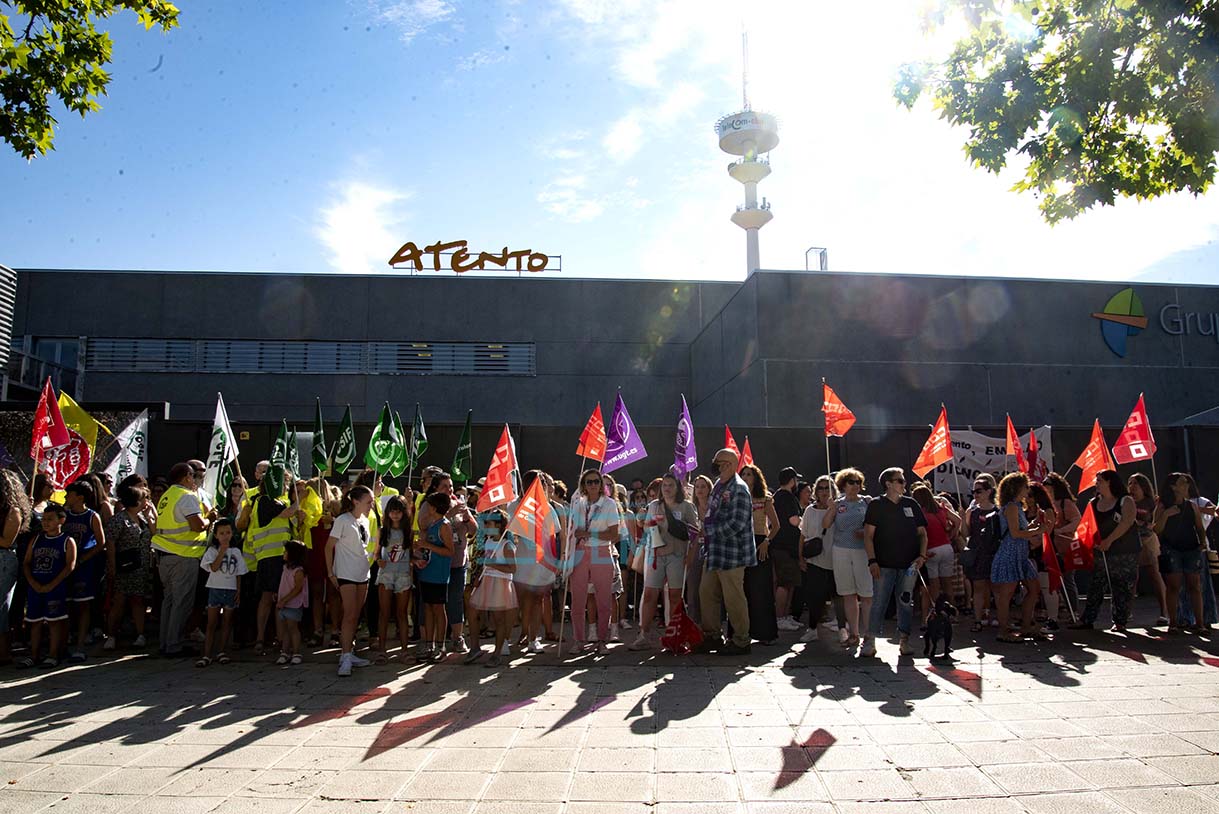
(1101, 723)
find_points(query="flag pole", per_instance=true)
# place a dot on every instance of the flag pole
(1007, 453)
(34, 474)
(826, 428)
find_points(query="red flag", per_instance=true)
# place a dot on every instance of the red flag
(730, 442)
(1079, 556)
(938, 448)
(1093, 459)
(531, 515)
(1050, 558)
(1136, 443)
(838, 419)
(746, 455)
(499, 488)
(592, 439)
(1013, 447)
(1034, 455)
(50, 431)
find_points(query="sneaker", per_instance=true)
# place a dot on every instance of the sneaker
(625, 624)
(77, 656)
(614, 637)
(424, 654)
(506, 650)
(641, 643)
(437, 656)
(1161, 621)
(295, 660)
(788, 623)
(110, 643)
(356, 661)
(140, 641)
(904, 647)
(810, 635)
(345, 664)
(535, 646)
(602, 648)
(474, 655)
(869, 648)
(460, 645)
(282, 660)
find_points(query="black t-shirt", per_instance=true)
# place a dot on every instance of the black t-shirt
(896, 538)
(787, 506)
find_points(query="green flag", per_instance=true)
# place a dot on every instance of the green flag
(381, 447)
(400, 457)
(463, 459)
(274, 479)
(418, 444)
(344, 453)
(294, 456)
(320, 458)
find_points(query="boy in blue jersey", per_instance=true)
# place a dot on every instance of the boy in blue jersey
(84, 526)
(49, 563)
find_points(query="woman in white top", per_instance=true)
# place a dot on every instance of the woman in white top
(818, 568)
(348, 568)
(594, 530)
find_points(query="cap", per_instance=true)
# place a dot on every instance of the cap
(787, 473)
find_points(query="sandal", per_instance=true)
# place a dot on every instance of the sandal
(223, 658)
(295, 660)
(203, 662)
(380, 658)
(49, 663)
(282, 660)
(24, 663)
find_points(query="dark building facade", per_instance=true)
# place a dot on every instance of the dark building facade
(538, 352)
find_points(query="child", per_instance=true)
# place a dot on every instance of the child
(290, 602)
(49, 562)
(84, 526)
(495, 593)
(394, 581)
(436, 543)
(223, 564)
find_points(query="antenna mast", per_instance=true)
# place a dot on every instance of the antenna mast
(745, 67)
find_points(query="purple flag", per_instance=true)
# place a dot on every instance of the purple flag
(685, 455)
(622, 443)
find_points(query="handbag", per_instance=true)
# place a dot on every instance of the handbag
(639, 558)
(126, 560)
(812, 547)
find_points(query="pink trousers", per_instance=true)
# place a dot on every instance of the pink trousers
(593, 565)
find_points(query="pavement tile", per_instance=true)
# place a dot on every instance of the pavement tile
(875, 784)
(428, 785)
(961, 781)
(520, 759)
(63, 778)
(612, 787)
(925, 756)
(770, 759)
(178, 805)
(1188, 769)
(1190, 743)
(695, 787)
(81, 803)
(1091, 802)
(626, 759)
(782, 786)
(1086, 748)
(681, 759)
(287, 783)
(1030, 778)
(24, 802)
(1120, 773)
(1165, 801)
(547, 786)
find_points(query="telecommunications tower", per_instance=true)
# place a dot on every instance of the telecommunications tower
(750, 135)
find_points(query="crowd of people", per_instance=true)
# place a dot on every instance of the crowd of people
(327, 564)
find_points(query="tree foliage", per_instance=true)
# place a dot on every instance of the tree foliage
(53, 48)
(1101, 98)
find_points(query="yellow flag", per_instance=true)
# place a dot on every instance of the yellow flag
(77, 419)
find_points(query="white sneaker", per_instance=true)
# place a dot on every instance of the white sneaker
(641, 643)
(356, 661)
(109, 644)
(904, 647)
(460, 645)
(869, 647)
(788, 623)
(506, 650)
(810, 635)
(345, 665)
(535, 646)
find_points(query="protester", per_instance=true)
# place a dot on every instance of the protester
(1066, 519)
(1039, 502)
(49, 563)
(669, 552)
(895, 539)
(130, 537)
(533, 577)
(224, 564)
(290, 602)
(463, 525)
(730, 545)
(1012, 566)
(942, 526)
(1178, 524)
(494, 594)
(984, 534)
(347, 568)
(760, 577)
(180, 540)
(325, 599)
(785, 547)
(1116, 552)
(267, 523)
(700, 495)
(94, 563)
(817, 561)
(394, 575)
(1141, 491)
(15, 511)
(595, 522)
(433, 556)
(852, 576)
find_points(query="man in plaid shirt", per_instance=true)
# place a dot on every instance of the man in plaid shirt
(729, 548)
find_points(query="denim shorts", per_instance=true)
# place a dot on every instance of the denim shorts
(396, 576)
(222, 598)
(292, 614)
(1173, 561)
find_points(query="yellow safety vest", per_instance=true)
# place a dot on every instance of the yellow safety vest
(267, 541)
(172, 538)
(311, 505)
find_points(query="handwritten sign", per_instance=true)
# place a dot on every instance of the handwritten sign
(460, 260)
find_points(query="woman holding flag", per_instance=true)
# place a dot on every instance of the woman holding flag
(1117, 567)
(594, 521)
(1182, 540)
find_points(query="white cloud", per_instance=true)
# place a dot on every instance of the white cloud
(413, 17)
(625, 137)
(359, 226)
(565, 198)
(481, 59)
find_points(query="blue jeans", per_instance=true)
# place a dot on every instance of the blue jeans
(893, 580)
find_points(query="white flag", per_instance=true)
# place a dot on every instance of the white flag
(221, 451)
(132, 457)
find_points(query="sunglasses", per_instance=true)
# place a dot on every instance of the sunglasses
(980, 489)
(852, 482)
(823, 488)
(592, 483)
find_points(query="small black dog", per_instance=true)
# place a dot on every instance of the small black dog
(939, 628)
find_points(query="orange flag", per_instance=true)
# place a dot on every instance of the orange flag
(1136, 443)
(1093, 459)
(730, 442)
(838, 419)
(1050, 557)
(499, 488)
(1079, 556)
(1013, 447)
(746, 455)
(530, 517)
(938, 448)
(592, 439)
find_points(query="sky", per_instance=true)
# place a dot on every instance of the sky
(318, 137)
